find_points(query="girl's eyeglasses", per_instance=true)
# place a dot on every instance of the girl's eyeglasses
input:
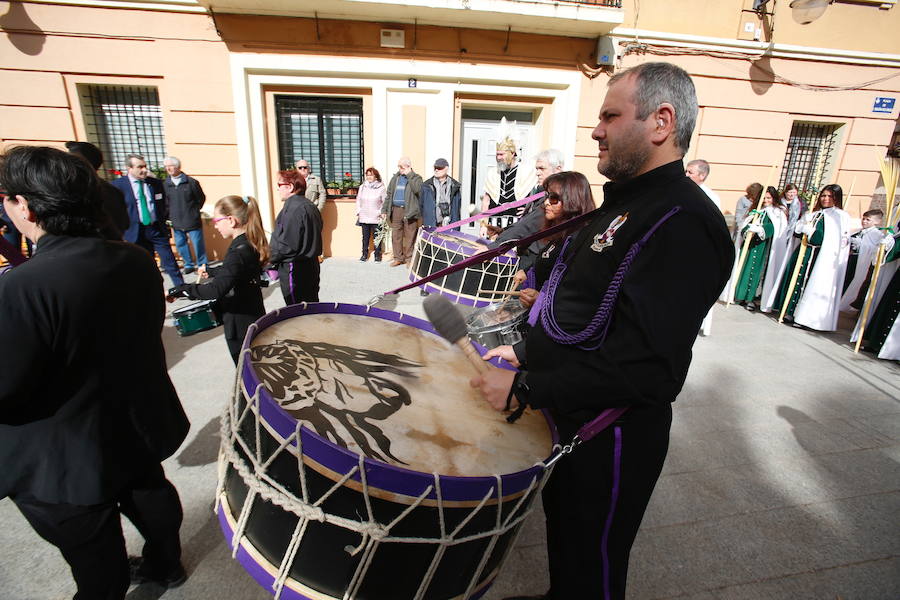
(217, 219)
(552, 199)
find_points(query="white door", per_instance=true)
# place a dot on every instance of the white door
(479, 146)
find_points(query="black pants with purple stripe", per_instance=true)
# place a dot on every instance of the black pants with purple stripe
(299, 280)
(594, 502)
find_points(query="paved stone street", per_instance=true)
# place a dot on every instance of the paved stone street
(782, 480)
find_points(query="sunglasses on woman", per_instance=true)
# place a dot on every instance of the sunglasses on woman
(551, 198)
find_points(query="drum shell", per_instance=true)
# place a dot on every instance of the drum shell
(436, 251)
(323, 562)
(196, 317)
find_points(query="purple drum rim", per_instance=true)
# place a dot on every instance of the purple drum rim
(267, 580)
(380, 475)
(430, 287)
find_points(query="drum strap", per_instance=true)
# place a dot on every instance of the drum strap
(489, 254)
(589, 430)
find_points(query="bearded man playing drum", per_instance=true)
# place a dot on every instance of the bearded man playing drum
(87, 409)
(671, 254)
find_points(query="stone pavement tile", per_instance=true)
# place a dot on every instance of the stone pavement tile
(870, 580)
(690, 451)
(777, 484)
(886, 425)
(525, 572)
(767, 545)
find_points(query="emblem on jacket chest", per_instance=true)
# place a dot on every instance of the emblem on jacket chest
(606, 239)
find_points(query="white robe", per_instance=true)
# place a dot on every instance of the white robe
(820, 300)
(779, 222)
(868, 244)
(891, 348)
(781, 240)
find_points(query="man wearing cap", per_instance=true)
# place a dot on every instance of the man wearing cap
(440, 197)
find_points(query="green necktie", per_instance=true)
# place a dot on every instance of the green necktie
(142, 203)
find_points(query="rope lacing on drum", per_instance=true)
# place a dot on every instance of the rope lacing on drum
(262, 486)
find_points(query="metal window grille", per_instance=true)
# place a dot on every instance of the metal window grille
(325, 131)
(121, 120)
(809, 155)
(610, 3)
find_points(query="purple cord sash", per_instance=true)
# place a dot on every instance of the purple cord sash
(596, 329)
(489, 254)
(502, 208)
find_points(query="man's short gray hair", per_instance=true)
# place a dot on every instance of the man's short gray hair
(405, 161)
(702, 166)
(553, 158)
(128, 158)
(658, 82)
(173, 160)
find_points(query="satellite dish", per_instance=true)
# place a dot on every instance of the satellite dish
(807, 11)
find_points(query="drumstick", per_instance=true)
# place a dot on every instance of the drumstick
(501, 293)
(449, 322)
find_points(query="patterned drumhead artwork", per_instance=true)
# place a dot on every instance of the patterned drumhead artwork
(394, 393)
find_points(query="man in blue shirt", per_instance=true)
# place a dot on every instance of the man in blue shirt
(403, 210)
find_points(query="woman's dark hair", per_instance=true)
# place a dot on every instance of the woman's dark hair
(574, 194)
(374, 172)
(776, 198)
(62, 189)
(836, 192)
(754, 193)
(790, 187)
(297, 181)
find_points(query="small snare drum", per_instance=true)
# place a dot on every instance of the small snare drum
(196, 317)
(498, 324)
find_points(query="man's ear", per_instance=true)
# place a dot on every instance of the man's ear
(664, 123)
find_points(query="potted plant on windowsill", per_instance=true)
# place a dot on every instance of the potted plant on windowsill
(349, 186)
(333, 188)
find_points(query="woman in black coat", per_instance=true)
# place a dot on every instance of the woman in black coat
(296, 243)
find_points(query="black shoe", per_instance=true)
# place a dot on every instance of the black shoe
(139, 575)
(423, 293)
(189, 270)
(377, 259)
(363, 258)
(788, 319)
(750, 306)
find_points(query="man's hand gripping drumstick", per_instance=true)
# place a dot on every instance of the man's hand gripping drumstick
(447, 320)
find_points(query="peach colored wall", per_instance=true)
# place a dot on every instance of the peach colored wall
(872, 29)
(745, 121)
(180, 54)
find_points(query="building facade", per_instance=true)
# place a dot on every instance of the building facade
(239, 89)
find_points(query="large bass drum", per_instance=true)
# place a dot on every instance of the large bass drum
(356, 461)
(476, 285)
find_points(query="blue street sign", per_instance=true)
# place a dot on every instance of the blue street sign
(883, 105)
